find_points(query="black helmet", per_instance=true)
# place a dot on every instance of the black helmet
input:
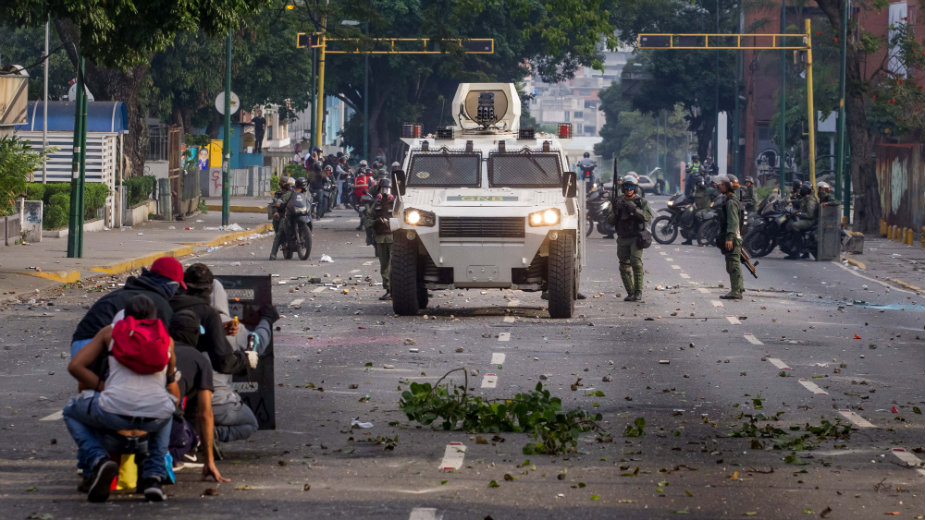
(806, 188)
(796, 185)
(695, 157)
(317, 166)
(328, 168)
(587, 155)
(385, 182)
(317, 149)
(301, 182)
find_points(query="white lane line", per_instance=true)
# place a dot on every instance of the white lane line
(369, 262)
(752, 339)
(509, 319)
(354, 271)
(513, 302)
(297, 302)
(909, 459)
(662, 253)
(704, 291)
(453, 456)
(53, 417)
(733, 320)
(685, 276)
(317, 290)
(676, 267)
(778, 363)
(669, 259)
(813, 387)
(716, 303)
(869, 279)
(856, 419)
(490, 381)
(504, 336)
(425, 513)
(497, 358)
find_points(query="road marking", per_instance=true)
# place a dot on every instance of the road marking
(662, 253)
(753, 340)
(716, 303)
(509, 319)
(676, 267)
(813, 387)
(909, 459)
(856, 419)
(53, 417)
(368, 262)
(453, 456)
(425, 513)
(504, 336)
(297, 302)
(778, 363)
(669, 259)
(704, 291)
(497, 358)
(869, 279)
(733, 320)
(354, 271)
(317, 290)
(685, 276)
(490, 381)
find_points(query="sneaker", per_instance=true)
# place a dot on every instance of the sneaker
(153, 490)
(101, 480)
(731, 296)
(687, 243)
(84, 486)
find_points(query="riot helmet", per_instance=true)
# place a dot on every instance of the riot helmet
(396, 166)
(823, 186)
(284, 182)
(385, 187)
(628, 183)
(587, 155)
(805, 189)
(301, 182)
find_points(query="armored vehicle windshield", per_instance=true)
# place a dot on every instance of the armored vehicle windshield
(445, 169)
(524, 170)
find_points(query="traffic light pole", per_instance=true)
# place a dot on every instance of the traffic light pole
(320, 110)
(226, 142)
(78, 168)
(840, 139)
(783, 103)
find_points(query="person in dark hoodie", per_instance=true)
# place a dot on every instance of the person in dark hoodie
(159, 283)
(213, 342)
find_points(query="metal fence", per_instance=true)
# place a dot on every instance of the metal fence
(901, 177)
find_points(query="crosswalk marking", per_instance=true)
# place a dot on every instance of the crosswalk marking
(490, 381)
(498, 358)
(733, 320)
(909, 459)
(856, 419)
(753, 340)
(704, 291)
(778, 363)
(297, 302)
(509, 319)
(317, 290)
(453, 456)
(685, 276)
(676, 267)
(53, 417)
(425, 513)
(504, 336)
(716, 303)
(812, 387)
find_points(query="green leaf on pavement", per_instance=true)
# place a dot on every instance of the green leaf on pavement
(493, 484)
(595, 497)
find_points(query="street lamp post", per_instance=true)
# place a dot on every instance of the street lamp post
(783, 101)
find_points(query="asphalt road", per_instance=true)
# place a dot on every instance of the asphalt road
(812, 340)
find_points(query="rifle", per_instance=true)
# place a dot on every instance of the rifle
(747, 261)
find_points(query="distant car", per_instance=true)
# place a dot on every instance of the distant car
(646, 184)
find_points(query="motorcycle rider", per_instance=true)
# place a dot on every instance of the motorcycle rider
(795, 196)
(361, 186)
(341, 172)
(703, 203)
(806, 220)
(586, 166)
(316, 186)
(709, 167)
(694, 170)
(630, 214)
(280, 220)
(729, 238)
(377, 218)
(747, 195)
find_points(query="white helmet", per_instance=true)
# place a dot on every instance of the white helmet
(291, 182)
(823, 186)
(634, 174)
(630, 178)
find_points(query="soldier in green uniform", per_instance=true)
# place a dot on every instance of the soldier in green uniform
(747, 195)
(729, 239)
(806, 219)
(630, 214)
(280, 222)
(826, 198)
(377, 218)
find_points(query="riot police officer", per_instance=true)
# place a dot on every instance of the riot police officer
(630, 213)
(729, 238)
(747, 195)
(806, 219)
(280, 220)
(826, 198)
(377, 218)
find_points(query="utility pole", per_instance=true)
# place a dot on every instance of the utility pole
(314, 94)
(226, 142)
(45, 106)
(783, 102)
(840, 143)
(716, 96)
(366, 100)
(810, 108)
(78, 167)
(319, 122)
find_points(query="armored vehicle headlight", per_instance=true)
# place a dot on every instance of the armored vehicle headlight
(416, 217)
(549, 217)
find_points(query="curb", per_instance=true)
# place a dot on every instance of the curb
(143, 261)
(238, 209)
(907, 285)
(857, 263)
(56, 276)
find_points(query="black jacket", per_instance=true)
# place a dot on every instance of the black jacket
(160, 289)
(224, 358)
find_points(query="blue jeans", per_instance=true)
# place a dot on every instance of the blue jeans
(85, 420)
(340, 192)
(79, 344)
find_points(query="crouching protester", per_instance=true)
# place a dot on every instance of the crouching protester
(139, 395)
(195, 381)
(234, 420)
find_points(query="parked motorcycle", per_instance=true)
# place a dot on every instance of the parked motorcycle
(598, 208)
(665, 228)
(771, 230)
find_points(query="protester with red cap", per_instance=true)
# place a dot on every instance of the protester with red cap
(159, 283)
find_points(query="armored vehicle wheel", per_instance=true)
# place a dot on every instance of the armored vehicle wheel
(561, 276)
(405, 292)
(663, 230)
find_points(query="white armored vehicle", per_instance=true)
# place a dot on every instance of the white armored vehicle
(486, 204)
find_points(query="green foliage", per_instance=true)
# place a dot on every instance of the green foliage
(128, 32)
(24, 46)
(637, 429)
(139, 189)
(35, 191)
(57, 197)
(537, 412)
(294, 170)
(17, 161)
(94, 198)
(274, 182)
(57, 211)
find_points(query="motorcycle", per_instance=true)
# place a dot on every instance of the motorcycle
(299, 240)
(598, 206)
(665, 228)
(349, 197)
(771, 230)
(330, 188)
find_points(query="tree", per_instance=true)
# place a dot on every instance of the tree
(17, 162)
(24, 46)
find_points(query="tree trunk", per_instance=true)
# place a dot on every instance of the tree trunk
(116, 85)
(867, 208)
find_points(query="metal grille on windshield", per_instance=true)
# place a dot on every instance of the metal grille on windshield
(445, 169)
(524, 170)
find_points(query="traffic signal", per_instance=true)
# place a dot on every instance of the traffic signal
(309, 41)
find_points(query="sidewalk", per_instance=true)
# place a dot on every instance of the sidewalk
(891, 262)
(45, 265)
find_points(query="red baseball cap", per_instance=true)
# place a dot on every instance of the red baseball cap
(169, 267)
